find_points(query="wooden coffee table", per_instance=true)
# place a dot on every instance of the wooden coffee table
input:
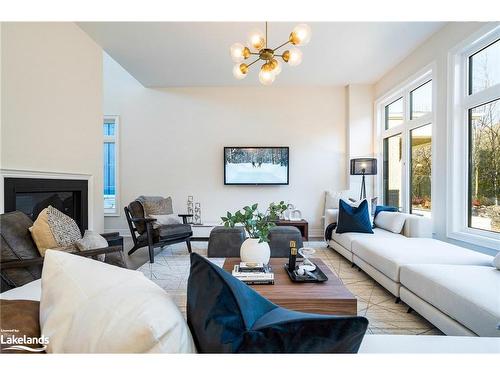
(329, 297)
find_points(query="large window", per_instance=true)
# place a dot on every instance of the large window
(474, 139)
(407, 146)
(110, 131)
(484, 140)
(421, 170)
(484, 167)
(392, 170)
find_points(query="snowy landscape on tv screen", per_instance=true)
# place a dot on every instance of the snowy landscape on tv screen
(256, 165)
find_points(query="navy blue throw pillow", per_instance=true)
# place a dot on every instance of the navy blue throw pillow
(379, 209)
(227, 316)
(354, 219)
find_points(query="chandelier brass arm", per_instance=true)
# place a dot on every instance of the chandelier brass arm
(299, 36)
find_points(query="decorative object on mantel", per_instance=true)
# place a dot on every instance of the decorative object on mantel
(300, 36)
(286, 213)
(363, 167)
(295, 215)
(190, 207)
(255, 249)
(197, 213)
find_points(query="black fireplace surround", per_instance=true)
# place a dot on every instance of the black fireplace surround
(32, 195)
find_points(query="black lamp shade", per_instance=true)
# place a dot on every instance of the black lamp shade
(363, 166)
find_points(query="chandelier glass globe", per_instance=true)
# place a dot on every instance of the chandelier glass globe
(294, 57)
(301, 35)
(266, 77)
(257, 39)
(237, 52)
(240, 72)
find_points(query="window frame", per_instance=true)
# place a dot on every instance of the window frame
(458, 128)
(116, 139)
(403, 90)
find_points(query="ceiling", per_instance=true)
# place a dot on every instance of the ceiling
(173, 54)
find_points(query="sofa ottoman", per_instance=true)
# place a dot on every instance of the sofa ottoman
(225, 242)
(279, 240)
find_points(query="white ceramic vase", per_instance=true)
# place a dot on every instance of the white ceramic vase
(254, 252)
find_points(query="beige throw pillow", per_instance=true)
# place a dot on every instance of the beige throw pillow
(41, 233)
(54, 230)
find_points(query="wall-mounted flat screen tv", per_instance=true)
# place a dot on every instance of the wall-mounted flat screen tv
(256, 165)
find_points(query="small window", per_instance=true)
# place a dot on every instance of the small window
(393, 170)
(484, 69)
(110, 165)
(421, 101)
(421, 170)
(484, 167)
(394, 114)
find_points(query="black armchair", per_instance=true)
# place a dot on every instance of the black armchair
(143, 233)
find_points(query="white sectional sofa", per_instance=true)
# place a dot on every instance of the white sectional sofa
(456, 289)
(458, 299)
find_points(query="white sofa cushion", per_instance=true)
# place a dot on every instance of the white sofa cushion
(346, 239)
(391, 221)
(417, 226)
(30, 291)
(332, 198)
(468, 294)
(388, 254)
(92, 307)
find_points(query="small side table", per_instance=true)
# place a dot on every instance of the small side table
(301, 225)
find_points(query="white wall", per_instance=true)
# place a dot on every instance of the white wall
(434, 50)
(52, 103)
(172, 142)
(359, 116)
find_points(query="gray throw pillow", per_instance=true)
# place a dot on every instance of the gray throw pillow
(156, 205)
(91, 241)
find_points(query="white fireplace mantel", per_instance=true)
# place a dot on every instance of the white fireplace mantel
(20, 173)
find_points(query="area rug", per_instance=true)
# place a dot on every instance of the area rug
(171, 271)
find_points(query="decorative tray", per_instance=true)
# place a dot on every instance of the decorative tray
(317, 275)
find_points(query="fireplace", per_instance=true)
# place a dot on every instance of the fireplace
(32, 195)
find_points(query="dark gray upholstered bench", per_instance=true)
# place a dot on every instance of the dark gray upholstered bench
(226, 242)
(279, 240)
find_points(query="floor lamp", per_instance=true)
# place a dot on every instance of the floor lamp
(363, 167)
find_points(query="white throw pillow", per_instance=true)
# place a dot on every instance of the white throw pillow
(92, 307)
(496, 261)
(391, 221)
(332, 198)
(92, 241)
(165, 219)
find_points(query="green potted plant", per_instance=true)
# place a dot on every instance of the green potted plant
(255, 249)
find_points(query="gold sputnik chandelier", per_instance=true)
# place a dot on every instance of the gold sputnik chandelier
(299, 36)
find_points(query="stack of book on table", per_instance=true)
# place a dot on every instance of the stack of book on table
(253, 273)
